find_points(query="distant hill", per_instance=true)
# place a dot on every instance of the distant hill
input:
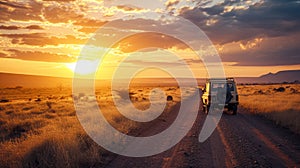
(281, 76)
(32, 81)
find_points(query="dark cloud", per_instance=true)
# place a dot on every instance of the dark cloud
(61, 14)
(33, 10)
(273, 51)
(272, 19)
(41, 39)
(34, 27)
(12, 4)
(20, 11)
(29, 35)
(13, 27)
(39, 56)
(3, 55)
(3, 27)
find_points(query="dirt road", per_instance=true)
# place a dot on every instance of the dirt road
(243, 140)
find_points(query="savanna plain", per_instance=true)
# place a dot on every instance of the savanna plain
(39, 127)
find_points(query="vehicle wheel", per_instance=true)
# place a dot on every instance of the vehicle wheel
(205, 109)
(234, 109)
(228, 97)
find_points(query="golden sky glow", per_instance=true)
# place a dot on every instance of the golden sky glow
(47, 37)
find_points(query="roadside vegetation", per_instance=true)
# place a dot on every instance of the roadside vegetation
(278, 102)
(39, 127)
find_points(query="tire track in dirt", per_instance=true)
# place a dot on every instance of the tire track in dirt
(289, 162)
(269, 138)
(244, 140)
(189, 152)
(255, 144)
(159, 160)
(230, 160)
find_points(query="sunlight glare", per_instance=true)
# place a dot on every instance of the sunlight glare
(84, 67)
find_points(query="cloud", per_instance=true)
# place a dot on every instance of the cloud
(29, 35)
(128, 8)
(3, 27)
(61, 14)
(272, 51)
(41, 39)
(39, 56)
(89, 23)
(272, 19)
(13, 27)
(88, 30)
(12, 4)
(60, 0)
(148, 40)
(145, 63)
(23, 11)
(171, 3)
(3, 55)
(250, 32)
(34, 27)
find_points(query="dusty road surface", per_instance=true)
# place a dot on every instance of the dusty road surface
(243, 140)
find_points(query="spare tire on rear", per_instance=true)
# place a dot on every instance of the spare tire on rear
(228, 97)
(169, 98)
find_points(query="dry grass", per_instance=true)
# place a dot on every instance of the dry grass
(39, 127)
(280, 103)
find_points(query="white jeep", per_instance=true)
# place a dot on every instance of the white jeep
(220, 91)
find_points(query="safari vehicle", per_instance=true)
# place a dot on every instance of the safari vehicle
(222, 92)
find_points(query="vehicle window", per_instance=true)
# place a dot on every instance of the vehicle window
(217, 86)
(230, 87)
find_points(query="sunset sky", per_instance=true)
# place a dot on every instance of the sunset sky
(46, 37)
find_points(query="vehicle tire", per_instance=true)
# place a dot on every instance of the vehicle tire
(205, 109)
(234, 109)
(228, 97)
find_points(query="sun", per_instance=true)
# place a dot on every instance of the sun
(83, 67)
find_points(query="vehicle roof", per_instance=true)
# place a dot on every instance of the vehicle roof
(221, 79)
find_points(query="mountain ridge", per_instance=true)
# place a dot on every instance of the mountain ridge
(14, 80)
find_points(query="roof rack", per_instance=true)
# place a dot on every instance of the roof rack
(221, 79)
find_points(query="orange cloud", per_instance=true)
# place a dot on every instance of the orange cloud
(13, 27)
(39, 56)
(41, 39)
(251, 43)
(3, 27)
(148, 40)
(128, 8)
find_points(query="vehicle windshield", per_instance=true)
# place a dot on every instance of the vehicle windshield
(218, 86)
